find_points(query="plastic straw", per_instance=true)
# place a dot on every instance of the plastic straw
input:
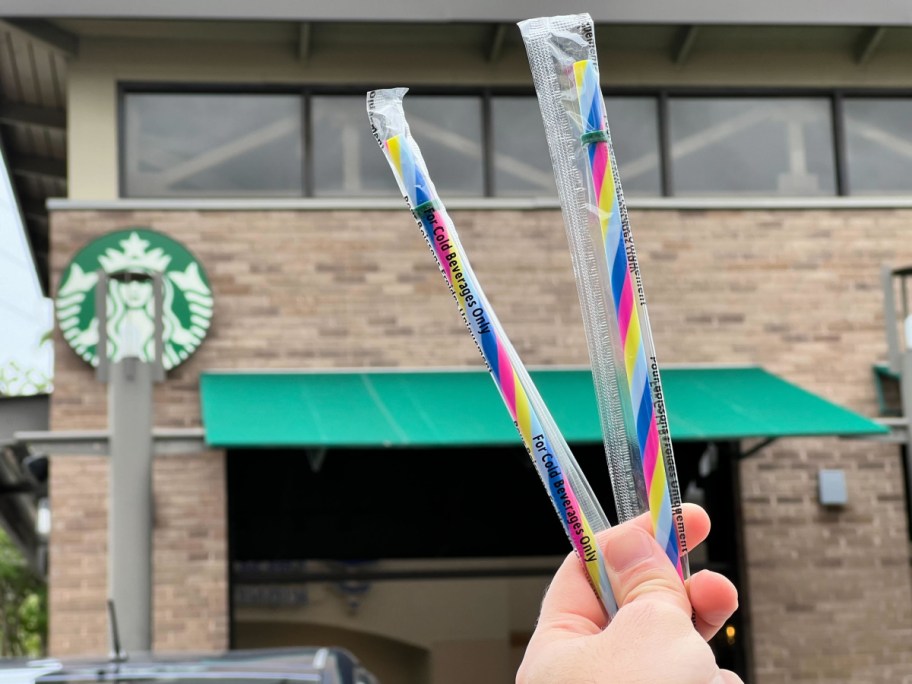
(563, 61)
(576, 506)
(624, 276)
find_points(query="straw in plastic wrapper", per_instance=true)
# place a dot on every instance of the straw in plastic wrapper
(564, 65)
(579, 511)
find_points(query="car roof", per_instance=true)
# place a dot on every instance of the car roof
(295, 664)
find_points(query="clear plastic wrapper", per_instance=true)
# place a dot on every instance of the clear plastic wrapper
(578, 509)
(562, 56)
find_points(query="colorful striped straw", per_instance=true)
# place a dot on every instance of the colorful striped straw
(577, 508)
(624, 288)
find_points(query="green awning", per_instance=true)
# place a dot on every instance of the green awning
(462, 408)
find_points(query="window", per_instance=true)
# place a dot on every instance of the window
(751, 146)
(878, 145)
(307, 143)
(346, 159)
(244, 145)
(521, 161)
(212, 145)
(448, 129)
(634, 123)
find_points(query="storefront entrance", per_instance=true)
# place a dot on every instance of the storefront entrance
(434, 550)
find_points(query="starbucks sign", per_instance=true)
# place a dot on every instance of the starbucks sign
(130, 304)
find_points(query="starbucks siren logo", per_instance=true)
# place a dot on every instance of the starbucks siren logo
(187, 298)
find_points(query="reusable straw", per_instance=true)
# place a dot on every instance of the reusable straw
(621, 267)
(563, 61)
(576, 506)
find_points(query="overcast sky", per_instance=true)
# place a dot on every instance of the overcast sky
(25, 316)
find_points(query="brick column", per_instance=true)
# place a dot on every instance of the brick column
(190, 599)
(78, 573)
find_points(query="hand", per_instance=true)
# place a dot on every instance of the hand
(652, 639)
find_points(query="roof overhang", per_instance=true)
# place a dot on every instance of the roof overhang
(773, 12)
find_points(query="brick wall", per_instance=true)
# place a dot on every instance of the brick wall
(78, 572)
(190, 579)
(828, 590)
(795, 291)
(190, 592)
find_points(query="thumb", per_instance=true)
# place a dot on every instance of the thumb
(639, 570)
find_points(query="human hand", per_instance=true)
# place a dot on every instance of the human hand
(651, 639)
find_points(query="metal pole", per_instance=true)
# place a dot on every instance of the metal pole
(130, 504)
(905, 384)
(130, 512)
(890, 322)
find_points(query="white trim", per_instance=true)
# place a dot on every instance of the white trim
(296, 204)
(481, 204)
(772, 203)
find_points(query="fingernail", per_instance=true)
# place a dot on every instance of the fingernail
(718, 679)
(628, 549)
(716, 618)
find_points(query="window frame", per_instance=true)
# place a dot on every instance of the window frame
(839, 170)
(839, 97)
(662, 94)
(305, 92)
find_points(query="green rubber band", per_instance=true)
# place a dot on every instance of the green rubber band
(594, 136)
(424, 206)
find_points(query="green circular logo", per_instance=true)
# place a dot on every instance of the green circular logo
(131, 305)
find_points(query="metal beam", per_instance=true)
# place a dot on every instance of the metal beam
(17, 114)
(244, 576)
(45, 33)
(899, 432)
(39, 167)
(174, 441)
(18, 488)
(305, 41)
(757, 447)
(498, 37)
(894, 355)
(371, 575)
(34, 210)
(684, 44)
(868, 43)
(76, 443)
(38, 237)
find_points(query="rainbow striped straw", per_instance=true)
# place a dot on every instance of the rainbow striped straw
(577, 508)
(623, 271)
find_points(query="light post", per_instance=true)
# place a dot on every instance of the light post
(125, 302)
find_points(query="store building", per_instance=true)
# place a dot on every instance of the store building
(315, 481)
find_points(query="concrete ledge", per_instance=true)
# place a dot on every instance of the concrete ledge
(478, 203)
